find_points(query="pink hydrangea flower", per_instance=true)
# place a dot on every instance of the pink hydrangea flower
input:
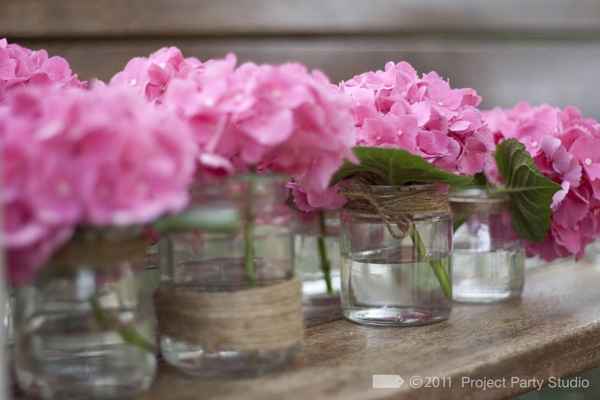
(329, 199)
(151, 75)
(20, 66)
(529, 125)
(423, 115)
(102, 157)
(276, 118)
(562, 144)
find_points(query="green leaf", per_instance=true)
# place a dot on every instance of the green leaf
(479, 179)
(395, 167)
(530, 191)
(219, 220)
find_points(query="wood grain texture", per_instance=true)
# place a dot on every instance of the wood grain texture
(76, 18)
(503, 73)
(553, 331)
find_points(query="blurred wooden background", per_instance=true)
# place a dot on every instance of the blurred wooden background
(536, 50)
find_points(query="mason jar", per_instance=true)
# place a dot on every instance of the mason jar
(317, 255)
(6, 347)
(592, 253)
(84, 327)
(228, 303)
(8, 307)
(396, 245)
(488, 260)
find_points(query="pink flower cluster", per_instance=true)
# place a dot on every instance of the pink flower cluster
(398, 109)
(85, 157)
(19, 66)
(272, 118)
(151, 75)
(564, 146)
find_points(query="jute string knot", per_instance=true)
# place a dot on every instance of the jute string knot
(395, 205)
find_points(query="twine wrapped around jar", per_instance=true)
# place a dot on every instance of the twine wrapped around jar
(252, 319)
(395, 205)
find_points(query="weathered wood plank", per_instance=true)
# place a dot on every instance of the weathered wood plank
(43, 18)
(553, 331)
(558, 72)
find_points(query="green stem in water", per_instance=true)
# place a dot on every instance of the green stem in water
(458, 223)
(325, 263)
(249, 251)
(440, 267)
(127, 331)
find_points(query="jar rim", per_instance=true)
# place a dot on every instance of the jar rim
(406, 188)
(478, 195)
(259, 177)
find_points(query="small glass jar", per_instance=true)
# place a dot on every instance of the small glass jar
(592, 253)
(488, 260)
(8, 306)
(5, 349)
(396, 256)
(317, 256)
(84, 328)
(229, 304)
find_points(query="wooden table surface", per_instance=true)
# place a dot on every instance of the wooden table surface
(553, 331)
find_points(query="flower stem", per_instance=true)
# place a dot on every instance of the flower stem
(325, 263)
(248, 231)
(439, 266)
(127, 331)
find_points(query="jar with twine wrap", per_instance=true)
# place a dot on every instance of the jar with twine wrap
(488, 257)
(396, 243)
(88, 305)
(228, 303)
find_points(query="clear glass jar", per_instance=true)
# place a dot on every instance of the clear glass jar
(317, 255)
(488, 260)
(6, 347)
(592, 252)
(8, 306)
(231, 283)
(397, 274)
(84, 328)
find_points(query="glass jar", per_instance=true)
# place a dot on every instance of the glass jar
(488, 258)
(317, 256)
(8, 306)
(229, 304)
(5, 349)
(396, 243)
(83, 328)
(592, 253)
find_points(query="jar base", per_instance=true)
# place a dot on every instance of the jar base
(396, 316)
(485, 297)
(75, 379)
(194, 360)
